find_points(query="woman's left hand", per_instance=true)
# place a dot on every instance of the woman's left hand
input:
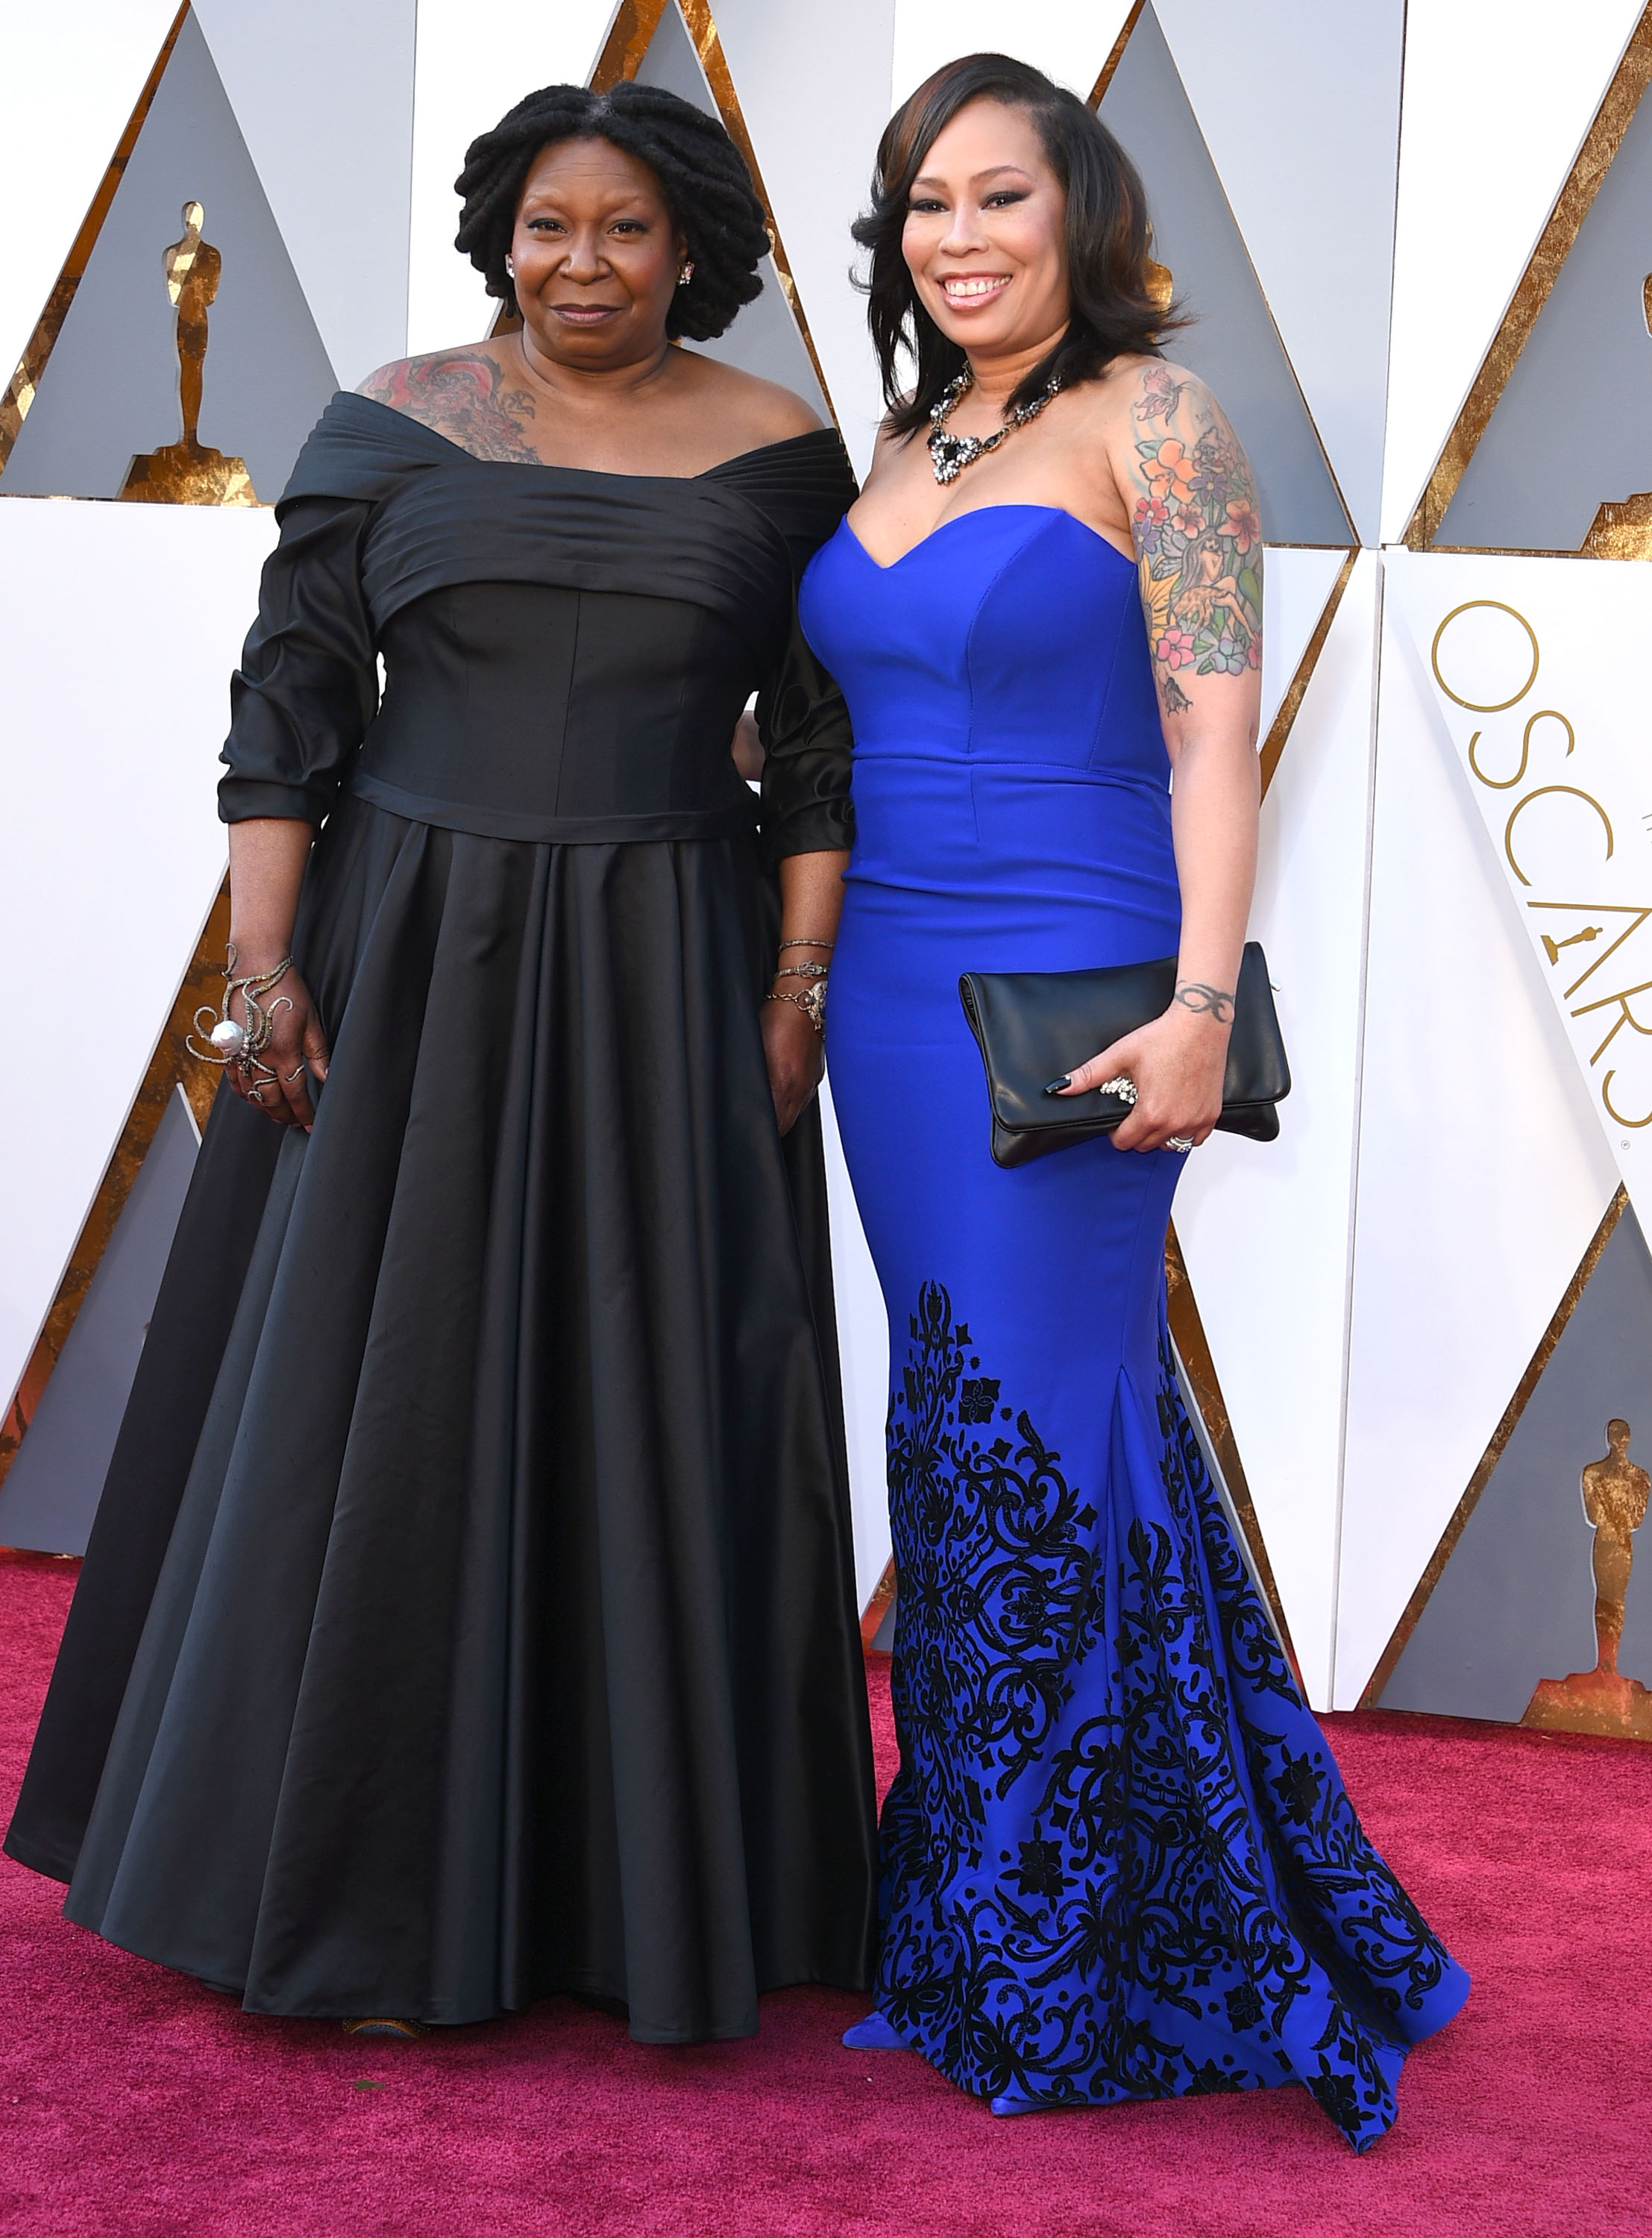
(1178, 1064)
(795, 1058)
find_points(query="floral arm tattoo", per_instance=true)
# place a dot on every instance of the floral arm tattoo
(463, 394)
(1199, 542)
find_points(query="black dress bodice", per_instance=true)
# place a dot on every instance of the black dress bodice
(565, 653)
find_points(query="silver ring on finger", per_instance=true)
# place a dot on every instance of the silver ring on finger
(1179, 1141)
(292, 1076)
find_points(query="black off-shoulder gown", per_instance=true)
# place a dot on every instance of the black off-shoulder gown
(470, 1611)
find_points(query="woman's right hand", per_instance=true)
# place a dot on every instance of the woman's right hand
(296, 1048)
(267, 856)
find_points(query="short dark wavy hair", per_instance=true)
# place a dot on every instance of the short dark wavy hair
(701, 172)
(1114, 312)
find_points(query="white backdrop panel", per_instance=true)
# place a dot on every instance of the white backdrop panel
(863, 1352)
(1297, 581)
(1069, 39)
(1560, 781)
(119, 626)
(1301, 116)
(1498, 94)
(465, 78)
(1264, 1230)
(1482, 1174)
(73, 72)
(322, 90)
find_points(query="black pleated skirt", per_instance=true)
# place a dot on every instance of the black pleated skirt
(470, 1613)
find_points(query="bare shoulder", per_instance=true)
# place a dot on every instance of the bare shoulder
(1134, 392)
(1167, 399)
(754, 411)
(889, 445)
(470, 395)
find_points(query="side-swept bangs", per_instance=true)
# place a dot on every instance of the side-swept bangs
(1110, 275)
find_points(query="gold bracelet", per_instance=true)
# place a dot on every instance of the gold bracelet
(811, 1000)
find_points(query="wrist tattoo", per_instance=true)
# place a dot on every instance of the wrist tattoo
(1198, 997)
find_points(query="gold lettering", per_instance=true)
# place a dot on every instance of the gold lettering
(1520, 805)
(1482, 706)
(1504, 783)
(1625, 1015)
(1606, 1098)
(1592, 909)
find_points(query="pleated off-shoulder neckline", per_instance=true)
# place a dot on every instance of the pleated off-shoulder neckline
(359, 446)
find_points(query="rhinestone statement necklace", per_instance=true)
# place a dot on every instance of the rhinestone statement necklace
(950, 454)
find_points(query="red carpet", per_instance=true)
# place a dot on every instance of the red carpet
(134, 2104)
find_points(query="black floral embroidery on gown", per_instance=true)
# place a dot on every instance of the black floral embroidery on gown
(1119, 1861)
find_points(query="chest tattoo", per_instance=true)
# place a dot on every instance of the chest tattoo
(466, 396)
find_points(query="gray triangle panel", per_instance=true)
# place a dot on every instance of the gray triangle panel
(110, 387)
(1516, 1603)
(1235, 346)
(51, 1491)
(1573, 428)
(764, 338)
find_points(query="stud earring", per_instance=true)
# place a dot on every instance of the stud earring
(685, 275)
(510, 267)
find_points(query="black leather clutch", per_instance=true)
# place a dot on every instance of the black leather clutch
(1033, 1026)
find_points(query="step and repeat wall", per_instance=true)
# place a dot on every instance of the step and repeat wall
(1415, 243)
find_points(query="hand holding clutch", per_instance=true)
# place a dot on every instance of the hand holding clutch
(1176, 1064)
(1032, 1027)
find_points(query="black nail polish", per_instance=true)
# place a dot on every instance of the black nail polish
(1054, 1087)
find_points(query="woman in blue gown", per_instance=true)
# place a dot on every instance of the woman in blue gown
(1117, 1861)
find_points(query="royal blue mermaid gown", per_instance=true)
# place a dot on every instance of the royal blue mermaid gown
(1118, 1860)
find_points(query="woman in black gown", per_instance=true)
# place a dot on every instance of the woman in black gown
(470, 1611)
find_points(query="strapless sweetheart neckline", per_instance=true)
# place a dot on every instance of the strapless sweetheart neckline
(889, 566)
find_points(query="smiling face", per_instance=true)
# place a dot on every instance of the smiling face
(597, 255)
(984, 238)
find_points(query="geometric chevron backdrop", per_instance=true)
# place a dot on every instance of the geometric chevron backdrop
(1413, 235)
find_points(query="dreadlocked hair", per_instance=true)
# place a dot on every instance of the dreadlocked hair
(701, 172)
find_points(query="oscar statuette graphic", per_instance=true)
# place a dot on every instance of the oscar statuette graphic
(188, 471)
(1602, 1700)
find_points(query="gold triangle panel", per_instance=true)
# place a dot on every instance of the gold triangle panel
(623, 53)
(1192, 1348)
(1232, 340)
(150, 286)
(1286, 714)
(25, 384)
(877, 1608)
(1115, 56)
(170, 1067)
(1555, 243)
